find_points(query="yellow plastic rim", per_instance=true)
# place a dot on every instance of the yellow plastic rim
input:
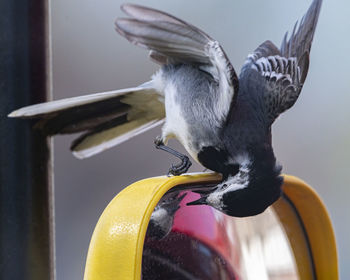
(315, 222)
(116, 245)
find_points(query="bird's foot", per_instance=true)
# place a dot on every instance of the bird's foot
(180, 168)
(177, 169)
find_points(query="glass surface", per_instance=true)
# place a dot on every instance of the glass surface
(203, 243)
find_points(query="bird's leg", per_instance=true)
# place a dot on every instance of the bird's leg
(177, 169)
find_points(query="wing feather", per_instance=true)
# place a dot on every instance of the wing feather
(173, 41)
(284, 69)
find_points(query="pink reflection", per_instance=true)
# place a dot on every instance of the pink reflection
(209, 226)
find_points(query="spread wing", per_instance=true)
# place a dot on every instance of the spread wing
(173, 41)
(109, 118)
(284, 70)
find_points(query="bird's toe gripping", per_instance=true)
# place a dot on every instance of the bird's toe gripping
(177, 169)
(180, 168)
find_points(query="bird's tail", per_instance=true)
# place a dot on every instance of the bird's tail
(105, 119)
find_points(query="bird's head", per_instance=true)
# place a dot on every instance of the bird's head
(162, 218)
(249, 192)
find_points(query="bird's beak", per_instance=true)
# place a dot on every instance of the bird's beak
(175, 204)
(201, 201)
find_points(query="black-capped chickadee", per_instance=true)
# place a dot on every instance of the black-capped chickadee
(162, 218)
(224, 121)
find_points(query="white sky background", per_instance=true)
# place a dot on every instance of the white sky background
(311, 140)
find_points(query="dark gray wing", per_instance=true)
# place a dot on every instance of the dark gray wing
(172, 41)
(285, 69)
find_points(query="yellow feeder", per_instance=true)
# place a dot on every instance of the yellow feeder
(117, 243)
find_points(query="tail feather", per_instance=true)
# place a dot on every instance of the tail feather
(82, 117)
(100, 140)
(42, 109)
(106, 119)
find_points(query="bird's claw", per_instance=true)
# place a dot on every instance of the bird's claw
(180, 168)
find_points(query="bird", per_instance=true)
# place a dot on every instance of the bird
(223, 120)
(162, 218)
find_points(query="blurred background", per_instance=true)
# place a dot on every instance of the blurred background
(311, 140)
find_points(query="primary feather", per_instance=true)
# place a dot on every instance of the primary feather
(175, 41)
(285, 69)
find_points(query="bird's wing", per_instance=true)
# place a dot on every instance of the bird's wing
(284, 70)
(105, 119)
(173, 41)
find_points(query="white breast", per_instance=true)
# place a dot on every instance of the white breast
(175, 124)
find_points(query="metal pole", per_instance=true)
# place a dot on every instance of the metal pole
(26, 191)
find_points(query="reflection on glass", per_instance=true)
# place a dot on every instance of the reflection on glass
(264, 248)
(206, 244)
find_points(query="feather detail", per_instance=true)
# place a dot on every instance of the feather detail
(284, 69)
(106, 119)
(173, 41)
